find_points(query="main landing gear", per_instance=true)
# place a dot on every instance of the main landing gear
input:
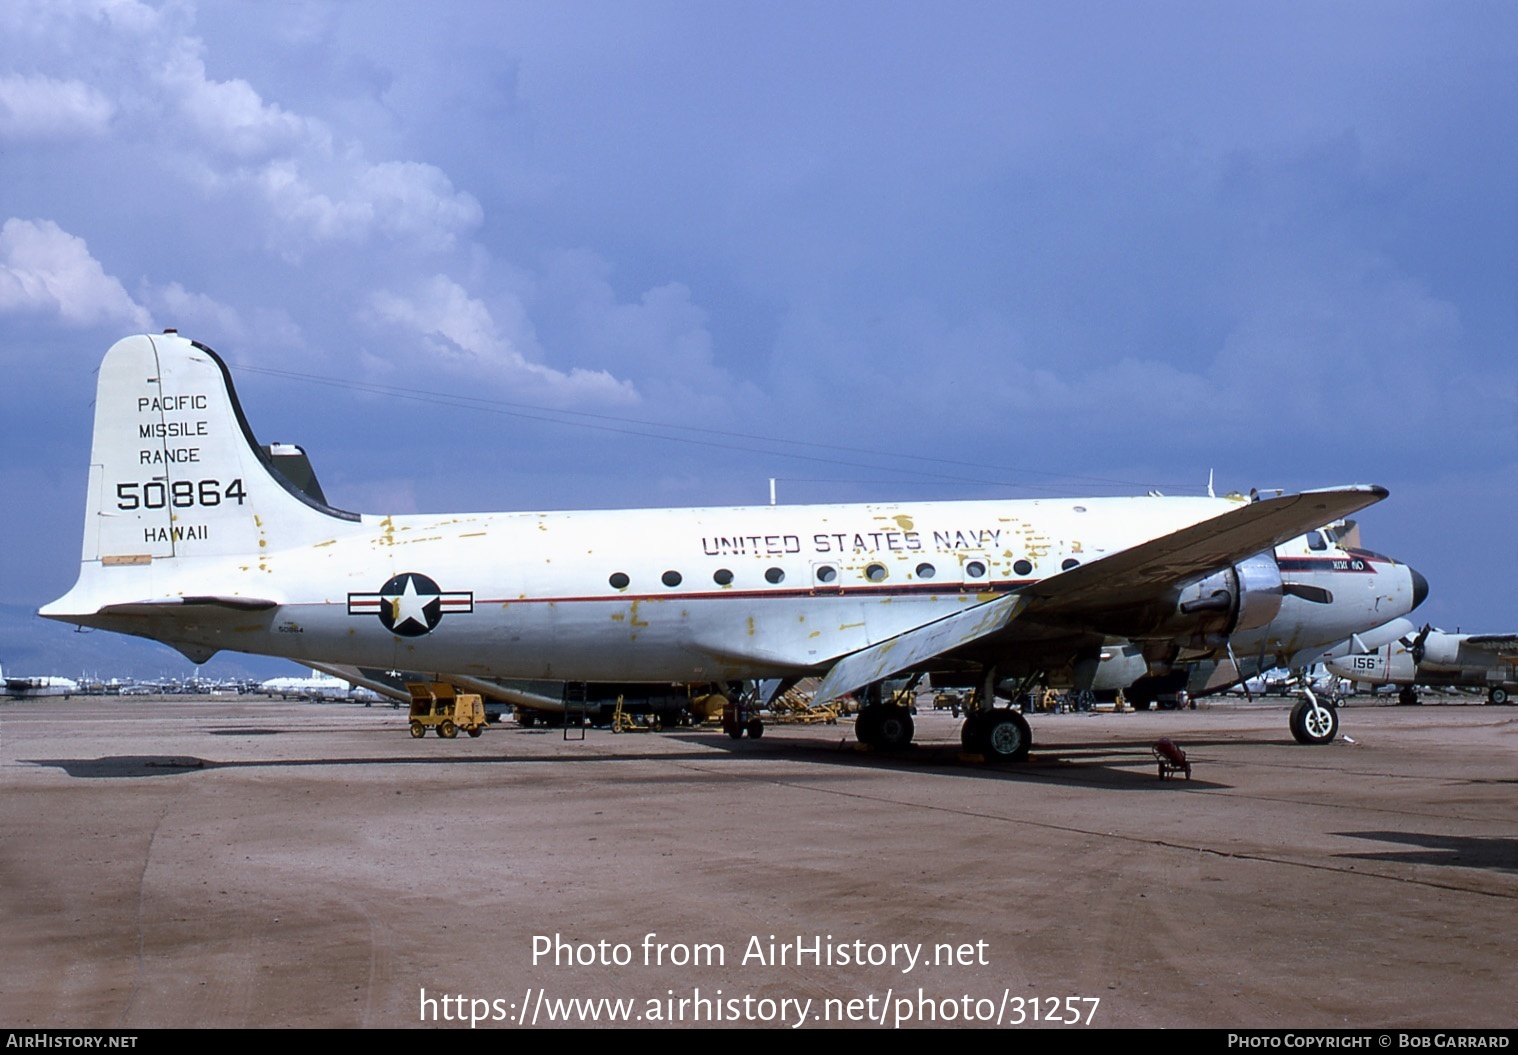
(885, 721)
(1000, 734)
(888, 726)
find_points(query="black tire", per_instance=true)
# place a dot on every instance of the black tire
(972, 733)
(1310, 725)
(476, 731)
(1497, 694)
(1408, 697)
(526, 719)
(418, 730)
(735, 731)
(867, 725)
(447, 730)
(755, 728)
(894, 728)
(1007, 737)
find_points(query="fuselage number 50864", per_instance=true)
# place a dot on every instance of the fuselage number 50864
(180, 494)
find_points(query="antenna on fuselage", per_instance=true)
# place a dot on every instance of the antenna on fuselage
(772, 490)
(1210, 492)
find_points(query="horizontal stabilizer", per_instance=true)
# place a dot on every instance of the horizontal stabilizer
(166, 604)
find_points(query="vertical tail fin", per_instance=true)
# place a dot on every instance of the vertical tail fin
(176, 474)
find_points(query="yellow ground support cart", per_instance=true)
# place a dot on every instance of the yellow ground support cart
(440, 706)
(627, 722)
(793, 707)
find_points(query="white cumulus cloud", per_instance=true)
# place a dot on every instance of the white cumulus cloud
(462, 330)
(298, 183)
(39, 107)
(230, 117)
(46, 271)
(314, 189)
(196, 313)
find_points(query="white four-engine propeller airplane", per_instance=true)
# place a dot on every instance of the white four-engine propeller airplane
(192, 539)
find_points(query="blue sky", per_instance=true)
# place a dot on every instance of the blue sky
(879, 251)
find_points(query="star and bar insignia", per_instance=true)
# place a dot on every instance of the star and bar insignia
(410, 604)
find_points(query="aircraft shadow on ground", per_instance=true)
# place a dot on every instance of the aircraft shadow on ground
(1492, 854)
(1107, 765)
(1128, 767)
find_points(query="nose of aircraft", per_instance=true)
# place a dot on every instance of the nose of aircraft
(1420, 586)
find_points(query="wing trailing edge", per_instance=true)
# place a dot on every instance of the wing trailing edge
(905, 651)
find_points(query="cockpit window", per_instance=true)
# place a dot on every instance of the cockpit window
(1315, 541)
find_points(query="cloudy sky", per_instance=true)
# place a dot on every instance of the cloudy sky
(526, 256)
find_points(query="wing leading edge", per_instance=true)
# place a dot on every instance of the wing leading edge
(1090, 597)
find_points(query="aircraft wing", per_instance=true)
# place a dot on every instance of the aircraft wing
(1493, 642)
(1151, 569)
(1092, 598)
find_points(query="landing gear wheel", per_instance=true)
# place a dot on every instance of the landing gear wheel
(1314, 725)
(418, 730)
(1497, 694)
(1408, 697)
(526, 719)
(477, 730)
(1006, 736)
(867, 725)
(972, 733)
(447, 730)
(755, 728)
(894, 729)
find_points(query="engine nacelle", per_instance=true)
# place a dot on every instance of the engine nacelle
(1441, 651)
(1245, 596)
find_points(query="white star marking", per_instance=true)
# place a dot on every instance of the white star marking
(409, 606)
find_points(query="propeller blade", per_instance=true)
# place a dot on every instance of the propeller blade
(1420, 645)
